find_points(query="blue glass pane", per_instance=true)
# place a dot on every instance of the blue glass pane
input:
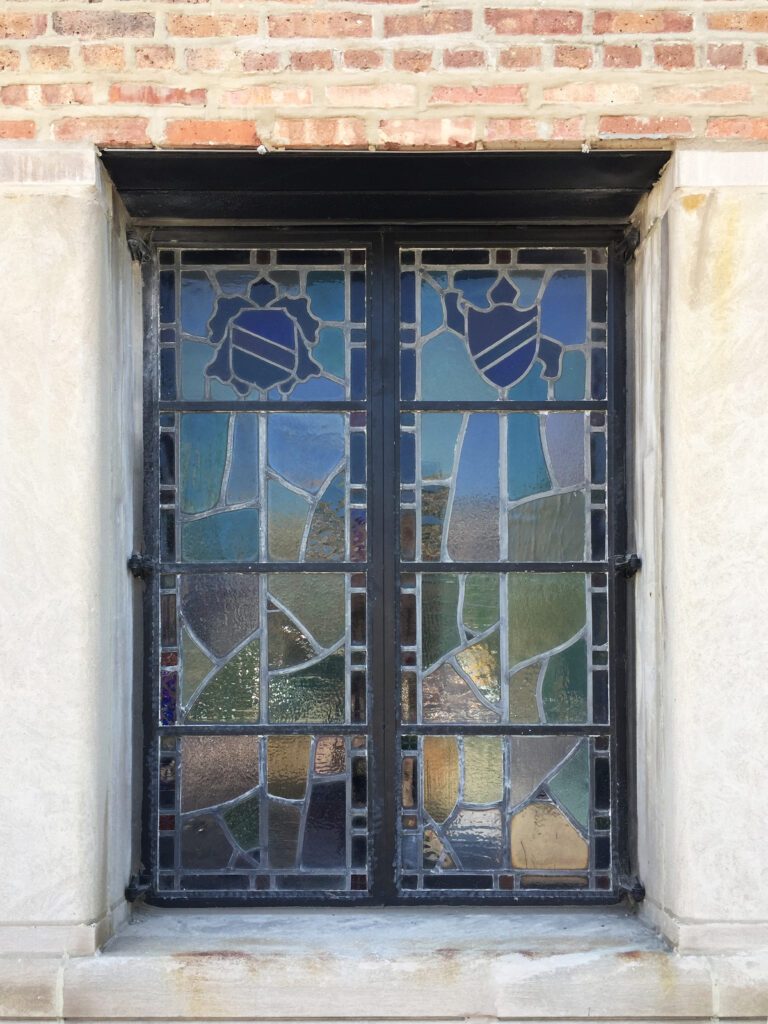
(287, 281)
(357, 362)
(432, 313)
(318, 389)
(532, 388)
(527, 469)
(285, 523)
(502, 341)
(329, 351)
(528, 286)
(447, 372)
(598, 374)
(197, 299)
(235, 282)
(222, 537)
(598, 458)
(407, 458)
(565, 443)
(439, 432)
(167, 297)
(408, 297)
(167, 373)
(474, 285)
(570, 387)
(195, 356)
(474, 523)
(357, 297)
(305, 448)
(407, 375)
(325, 289)
(564, 307)
(357, 458)
(203, 457)
(243, 482)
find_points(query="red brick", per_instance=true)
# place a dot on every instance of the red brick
(155, 57)
(257, 60)
(502, 129)
(682, 95)
(739, 21)
(17, 129)
(761, 56)
(412, 60)
(622, 57)
(726, 55)
(636, 22)
(207, 59)
(479, 94)
(201, 26)
(102, 55)
(644, 127)
(63, 95)
(573, 57)
(21, 26)
(322, 25)
(463, 58)
(9, 59)
(441, 133)
(49, 58)
(428, 23)
(737, 128)
(520, 57)
(371, 96)
(362, 60)
(14, 95)
(152, 95)
(103, 24)
(530, 22)
(104, 131)
(311, 60)
(267, 96)
(568, 128)
(320, 132)
(674, 56)
(211, 133)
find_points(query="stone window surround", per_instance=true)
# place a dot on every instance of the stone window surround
(567, 963)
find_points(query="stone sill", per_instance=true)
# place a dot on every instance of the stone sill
(398, 964)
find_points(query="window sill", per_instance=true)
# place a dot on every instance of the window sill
(396, 964)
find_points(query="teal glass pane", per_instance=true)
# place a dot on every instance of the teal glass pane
(222, 537)
(203, 458)
(527, 471)
(197, 302)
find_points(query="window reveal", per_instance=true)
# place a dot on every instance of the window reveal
(267, 729)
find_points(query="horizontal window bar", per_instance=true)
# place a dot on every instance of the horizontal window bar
(513, 729)
(502, 567)
(541, 406)
(248, 406)
(252, 729)
(183, 567)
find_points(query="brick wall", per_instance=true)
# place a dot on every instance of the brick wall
(390, 74)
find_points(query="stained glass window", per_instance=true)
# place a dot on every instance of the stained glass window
(388, 699)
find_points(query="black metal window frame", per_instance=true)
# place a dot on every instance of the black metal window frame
(382, 244)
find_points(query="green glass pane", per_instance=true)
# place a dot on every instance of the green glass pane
(545, 610)
(481, 663)
(314, 694)
(330, 351)
(481, 600)
(288, 646)
(439, 630)
(284, 820)
(222, 537)
(439, 433)
(316, 599)
(287, 765)
(195, 356)
(548, 529)
(564, 691)
(243, 821)
(286, 521)
(570, 785)
(195, 665)
(447, 372)
(325, 541)
(434, 501)
(526, 467)
(232, 695)
(483, 770)
(203, 457)
(522, 694)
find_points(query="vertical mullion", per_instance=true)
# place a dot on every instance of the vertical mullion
(618, 641)
(382, 445)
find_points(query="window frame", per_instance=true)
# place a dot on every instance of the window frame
(384, 241)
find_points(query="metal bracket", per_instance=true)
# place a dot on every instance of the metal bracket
(627, 565)
(138, 885)
(633, 887)
(625, 249)
(140, 566)
(138, 248)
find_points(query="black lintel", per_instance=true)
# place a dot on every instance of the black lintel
(543, 187)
